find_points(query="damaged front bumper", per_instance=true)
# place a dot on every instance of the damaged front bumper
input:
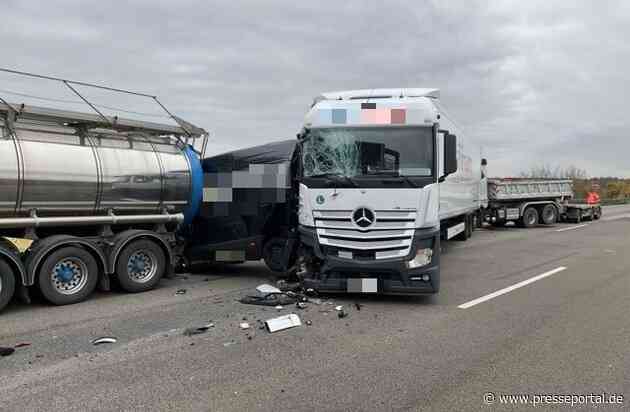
(393, 276)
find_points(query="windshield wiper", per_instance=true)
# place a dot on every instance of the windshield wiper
(331, 177)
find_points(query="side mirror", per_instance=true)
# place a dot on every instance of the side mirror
(450, 154)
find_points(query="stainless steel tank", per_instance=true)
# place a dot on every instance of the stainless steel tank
(56, 171)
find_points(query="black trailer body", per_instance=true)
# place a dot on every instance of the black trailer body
(246, 209)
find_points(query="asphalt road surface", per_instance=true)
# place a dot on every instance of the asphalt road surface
(530, 312)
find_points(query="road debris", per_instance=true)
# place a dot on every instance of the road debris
(339, 308)
(198, 330)
(301, 305)
(285, 286)
(6, 351)
(180, 292)
(230, 343)
(279, 307)
(244, 325)
(104, 339)
(266, 289)
(22, 345)
(309, 322)
(283, 322)
(270, 299)
(358, 306)
(342, 314)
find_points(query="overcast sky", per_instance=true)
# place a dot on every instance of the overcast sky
(532, 81)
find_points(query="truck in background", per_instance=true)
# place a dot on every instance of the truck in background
(87, 196)
(383, 175)
(528, 202)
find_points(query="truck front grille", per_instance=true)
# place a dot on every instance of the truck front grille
(389, 236)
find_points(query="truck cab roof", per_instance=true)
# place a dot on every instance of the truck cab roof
(375, 107)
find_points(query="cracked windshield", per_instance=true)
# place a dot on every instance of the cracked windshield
(352, 152)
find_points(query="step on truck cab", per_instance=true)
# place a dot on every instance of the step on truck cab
(383, 175)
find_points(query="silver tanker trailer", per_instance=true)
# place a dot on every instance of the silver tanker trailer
(87, 196)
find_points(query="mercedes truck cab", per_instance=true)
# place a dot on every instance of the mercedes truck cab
(383, 176)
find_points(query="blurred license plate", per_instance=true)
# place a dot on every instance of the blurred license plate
(363, 285)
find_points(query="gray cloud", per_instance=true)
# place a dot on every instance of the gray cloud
(534, 82)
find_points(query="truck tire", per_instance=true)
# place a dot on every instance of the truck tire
(68, 275)
(140, 266)
(549, 215)
(470, 225)
(530, 217)
(7, 284)
(273, 252)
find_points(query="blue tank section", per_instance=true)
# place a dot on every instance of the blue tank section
(196, 186)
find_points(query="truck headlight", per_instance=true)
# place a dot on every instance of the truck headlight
(423, 258)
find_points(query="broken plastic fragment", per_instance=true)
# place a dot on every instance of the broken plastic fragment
(180, 292)
(198, 330)
(283, 322)
(342, 314)
(22, 344)
(338, 308)
(265, 289)
(104, 339)
(301, 305)
(244, 325)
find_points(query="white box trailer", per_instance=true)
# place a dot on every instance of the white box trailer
(383, 175)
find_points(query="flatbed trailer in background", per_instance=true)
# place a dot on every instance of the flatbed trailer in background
(528, 202)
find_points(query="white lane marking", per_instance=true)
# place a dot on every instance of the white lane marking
(510, 288)
(571, 228)
(616, 217)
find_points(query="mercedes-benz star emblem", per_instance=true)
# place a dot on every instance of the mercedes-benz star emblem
(363, 217)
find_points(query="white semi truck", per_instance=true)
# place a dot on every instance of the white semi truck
(383, 175)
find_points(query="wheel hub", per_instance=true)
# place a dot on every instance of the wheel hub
(69, 275)
(142, 265)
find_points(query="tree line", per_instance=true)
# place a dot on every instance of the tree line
(609, 188)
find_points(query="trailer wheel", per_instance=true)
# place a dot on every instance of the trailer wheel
(68, 275)
(470, 225)
(530, 217)
(465, 234)
(7, 284)
(549, 215)
(140, 266)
